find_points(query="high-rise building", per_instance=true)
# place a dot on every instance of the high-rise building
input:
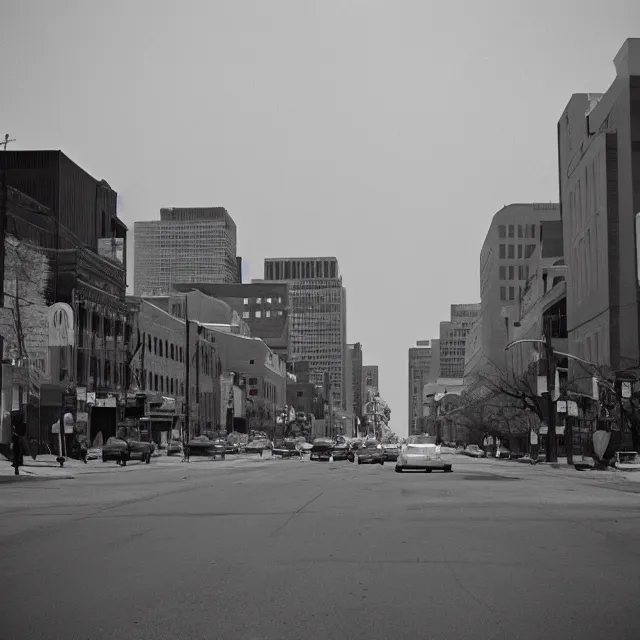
(370, 383)
(511, 241)
(354, 357)
(186, 245)
(317, 318)
(421, 372)
(599, 156)
(453, 336)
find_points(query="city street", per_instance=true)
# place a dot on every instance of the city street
(299, 550)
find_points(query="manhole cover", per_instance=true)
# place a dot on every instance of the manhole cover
(488, 477)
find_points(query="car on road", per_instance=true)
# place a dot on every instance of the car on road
(371, 452)
(123, 450)
(474, 451)
(174, 447)
(391, 452)
(322, 448)
(422, 453)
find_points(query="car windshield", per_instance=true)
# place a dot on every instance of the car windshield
(421, 440)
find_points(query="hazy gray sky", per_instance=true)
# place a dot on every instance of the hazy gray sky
(384, 132)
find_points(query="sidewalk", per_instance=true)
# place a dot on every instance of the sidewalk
(562, 469)
(45, 467)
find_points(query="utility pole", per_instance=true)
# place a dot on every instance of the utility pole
(552, 438)
(187, 377)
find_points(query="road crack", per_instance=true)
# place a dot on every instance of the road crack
(294, 514)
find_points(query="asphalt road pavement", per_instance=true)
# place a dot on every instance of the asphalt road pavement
(294, 550)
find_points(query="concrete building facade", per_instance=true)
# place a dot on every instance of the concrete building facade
(354, 357)
(421, 372)
(599, 166)
(505, 257)
(453, 335)
(317, 318)
(187, 245)
(263, 306)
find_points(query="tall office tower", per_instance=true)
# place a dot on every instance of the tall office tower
(354, 357)
(421, 372)
(453, 335)
(186, 245)
(317, 317)
(370, 383)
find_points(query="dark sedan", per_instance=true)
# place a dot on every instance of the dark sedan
(124, 450)
(370, 453)
(322, 449)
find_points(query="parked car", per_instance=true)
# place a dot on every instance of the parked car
(391, 452)
(174, 447)
(341, 448)
(474, 451)
(124, 450)
(371, 452)
(204, 446)
(322, 448)
(422, 453)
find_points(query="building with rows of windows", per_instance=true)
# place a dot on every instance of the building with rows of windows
(505, 268)
(187, 245)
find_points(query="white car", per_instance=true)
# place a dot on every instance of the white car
(421, 452)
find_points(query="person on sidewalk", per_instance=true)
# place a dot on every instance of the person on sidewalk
(83, 450)
(17, 457)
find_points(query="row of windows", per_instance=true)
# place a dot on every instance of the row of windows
(277, 313)
(277, 300)
(165, 384)
(503, 293)
(523, 272)
(165, 349)
(508, 251)
(524, 231)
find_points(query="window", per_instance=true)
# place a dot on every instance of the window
(279, 300)
(299, 394)
(267, 314)
(502, 273)
(512, 272)
(160, 348)
(245, 301)
(155, 345)
(533, 230)
(268, 300)
(258, 314)
(171, 385)
(526, 271)
(161, 383)
(252, 361)
(520, 272)
(519, 231)
(181, 357)
(149, 343)
(253, 382)
(512, 252)
(519, 251)
(511, 231)
(172, 355)
(512, 293)
(245, 315)
(258, 300)
(503, 252)
(503, 293)
(502, 231)
(155, 382)
(529, 249)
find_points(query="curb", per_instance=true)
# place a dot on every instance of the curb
(28, 478)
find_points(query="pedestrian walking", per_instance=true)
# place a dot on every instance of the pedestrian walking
(83, 450)
(187, 454)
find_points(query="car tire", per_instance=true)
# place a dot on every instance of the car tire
(448, 470)
(359, 461)
(427, 470)
(398, 469)
(104, 458)
(381, 463)
(148, 458)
